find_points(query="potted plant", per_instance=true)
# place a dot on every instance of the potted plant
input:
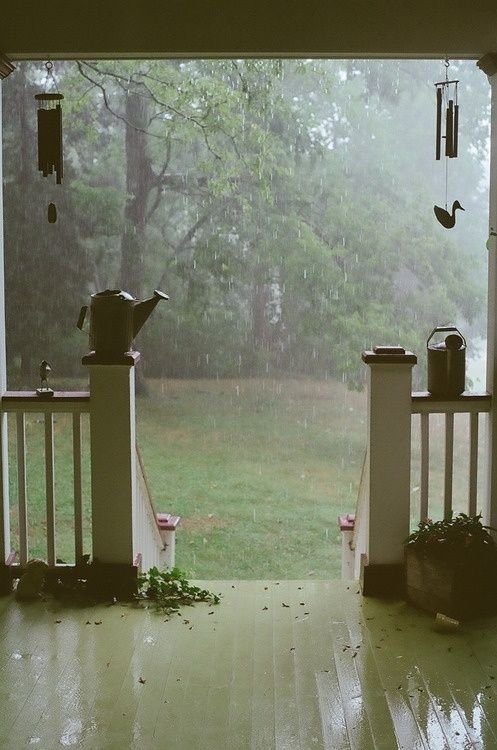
(451, 567)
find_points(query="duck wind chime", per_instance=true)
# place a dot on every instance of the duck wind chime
(447, 129)
(50, 158)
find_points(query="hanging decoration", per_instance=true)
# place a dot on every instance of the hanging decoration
(447, 129)
(50, 158)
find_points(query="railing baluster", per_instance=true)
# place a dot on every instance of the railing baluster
(449, 462)
(425, 466)
(78, 491)
(50, 487)
(22, 488)
(473, 463)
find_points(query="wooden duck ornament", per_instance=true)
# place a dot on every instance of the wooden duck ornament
(447, 220)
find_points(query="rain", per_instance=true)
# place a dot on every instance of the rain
(286, 208)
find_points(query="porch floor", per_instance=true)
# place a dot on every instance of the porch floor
(294, 664)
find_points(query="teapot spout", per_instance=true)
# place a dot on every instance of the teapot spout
(142, 310)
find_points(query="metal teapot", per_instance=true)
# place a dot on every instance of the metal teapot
(115, 319)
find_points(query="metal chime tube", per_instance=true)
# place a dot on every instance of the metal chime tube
(439, 123)
(449, 129)
(456, 130)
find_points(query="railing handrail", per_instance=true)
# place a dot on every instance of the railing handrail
(71, 402)
(467, 403)
(147, 492)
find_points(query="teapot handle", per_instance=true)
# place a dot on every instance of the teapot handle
(81, 318)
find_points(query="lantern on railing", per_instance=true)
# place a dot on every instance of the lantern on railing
(446, 362)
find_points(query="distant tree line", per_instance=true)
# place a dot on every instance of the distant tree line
(285, 206)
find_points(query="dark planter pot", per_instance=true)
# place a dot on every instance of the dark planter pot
(461, 584)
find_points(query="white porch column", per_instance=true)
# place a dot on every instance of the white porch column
(4, 477)
(389, 444)
(488, 65)
(113, 459)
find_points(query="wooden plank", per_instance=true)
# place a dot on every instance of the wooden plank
(263, 699)
(321, 714)
(449, 463)
(50, 488)
(77, 488)
(465, 403)
(247, 599)
(425, 466)
(22, 488)
(286, 716)
(473, 463)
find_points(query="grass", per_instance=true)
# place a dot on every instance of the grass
(258, 470)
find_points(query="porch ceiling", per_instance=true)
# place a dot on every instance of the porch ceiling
(366, 28)
(289, 664)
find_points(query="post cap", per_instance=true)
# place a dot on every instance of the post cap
(389, 355)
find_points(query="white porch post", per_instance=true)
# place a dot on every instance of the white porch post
(5, 582)
(389, 443)
(113, 467)
(488, 65)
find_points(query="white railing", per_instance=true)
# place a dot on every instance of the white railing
(385, 512)
(152, 537)
(20, 404)
(150, 547)
(355, 549)
(472, 405)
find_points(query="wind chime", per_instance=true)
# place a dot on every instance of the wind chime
(447, 129)
(50, 158)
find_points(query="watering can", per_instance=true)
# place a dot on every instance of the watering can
(446, 362)
(115, 319)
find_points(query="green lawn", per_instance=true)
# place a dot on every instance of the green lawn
(258, 470)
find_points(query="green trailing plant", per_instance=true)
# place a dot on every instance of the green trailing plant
(169, 590)
(453, 535)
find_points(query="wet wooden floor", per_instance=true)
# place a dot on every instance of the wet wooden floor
(290, 665)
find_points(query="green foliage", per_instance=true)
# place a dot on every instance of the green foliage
(454, 534)
(169, 590)
(285, 206)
